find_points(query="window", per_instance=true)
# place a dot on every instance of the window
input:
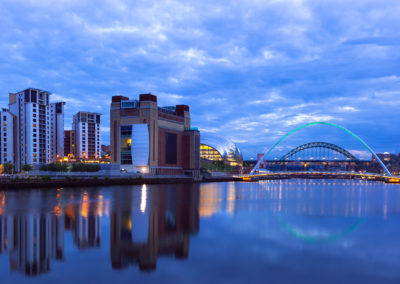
(171, 148)
(5, 118)
(34, 125)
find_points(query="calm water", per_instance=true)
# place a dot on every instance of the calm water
(295, 231)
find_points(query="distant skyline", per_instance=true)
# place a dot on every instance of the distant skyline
(249, 70)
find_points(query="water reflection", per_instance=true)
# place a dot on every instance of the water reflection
(138, 225)
(33, 224)
(140, 236)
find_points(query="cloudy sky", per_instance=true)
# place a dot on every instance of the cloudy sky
(250, 70)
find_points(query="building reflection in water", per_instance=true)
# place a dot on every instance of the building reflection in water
(140, 235)
(33, 235)
(31, 239)
(84, 221)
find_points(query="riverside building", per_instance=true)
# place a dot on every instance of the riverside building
(57, 131)
(69, 143)
(31, 108)
(86, 126)
(7, 136)
(218, 149)
(148, 138)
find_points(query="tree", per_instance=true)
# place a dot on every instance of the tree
(8, 168)
(55, 167)
(27, 168)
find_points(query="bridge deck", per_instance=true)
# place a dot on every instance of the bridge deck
(321, 175)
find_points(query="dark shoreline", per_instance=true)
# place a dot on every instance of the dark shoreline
(89, 182)
(32, 183)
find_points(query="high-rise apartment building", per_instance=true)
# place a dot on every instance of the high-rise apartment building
(31, 108)
(57, 131)
(7, 136)
(86, 126)
(153, 139)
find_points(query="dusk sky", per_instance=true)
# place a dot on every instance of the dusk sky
(250, 70)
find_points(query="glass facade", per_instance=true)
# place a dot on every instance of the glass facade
(209, 153)
(126, 145)
(220, 149)
(140, 145)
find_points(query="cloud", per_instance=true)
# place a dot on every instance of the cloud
(250, 70)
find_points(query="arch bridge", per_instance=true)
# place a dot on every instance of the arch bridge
(319, 151)
(386, 177)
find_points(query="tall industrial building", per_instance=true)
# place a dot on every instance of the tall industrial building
(34, 138)
(86, 126)
(7, 136)
(153, 139)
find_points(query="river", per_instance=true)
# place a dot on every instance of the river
(291, 231)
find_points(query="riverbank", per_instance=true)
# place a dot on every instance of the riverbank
(46, 182)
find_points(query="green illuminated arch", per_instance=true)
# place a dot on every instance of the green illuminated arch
(311, 239)
(324, 123)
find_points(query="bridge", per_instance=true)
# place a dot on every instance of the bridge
(322, 152)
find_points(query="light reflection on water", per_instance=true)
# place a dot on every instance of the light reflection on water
(284, 231)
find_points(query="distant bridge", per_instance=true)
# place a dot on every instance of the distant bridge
(321, 145)
(322, 151)
(319, 175)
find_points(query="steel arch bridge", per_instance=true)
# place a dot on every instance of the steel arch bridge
(368, 148)
(321, 146)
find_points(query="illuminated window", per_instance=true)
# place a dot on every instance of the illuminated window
(209, 153)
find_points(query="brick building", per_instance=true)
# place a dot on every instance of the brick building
(148, 138)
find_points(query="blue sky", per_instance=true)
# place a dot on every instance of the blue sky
(250, 70)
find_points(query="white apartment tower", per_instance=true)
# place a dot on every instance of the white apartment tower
(87, 135)
(7, 137)
(57, 131)
(33, 121)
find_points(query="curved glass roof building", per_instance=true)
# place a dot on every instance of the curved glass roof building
(220, 149)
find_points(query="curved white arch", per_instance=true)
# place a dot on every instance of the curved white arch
(325, 123)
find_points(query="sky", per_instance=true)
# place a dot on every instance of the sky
(250, 70)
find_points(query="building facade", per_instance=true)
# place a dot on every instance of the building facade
(86, 126)
(69, 143)
(31, 108)
(148, 138)
(215, 148)
(7, 137)
(57, 131)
